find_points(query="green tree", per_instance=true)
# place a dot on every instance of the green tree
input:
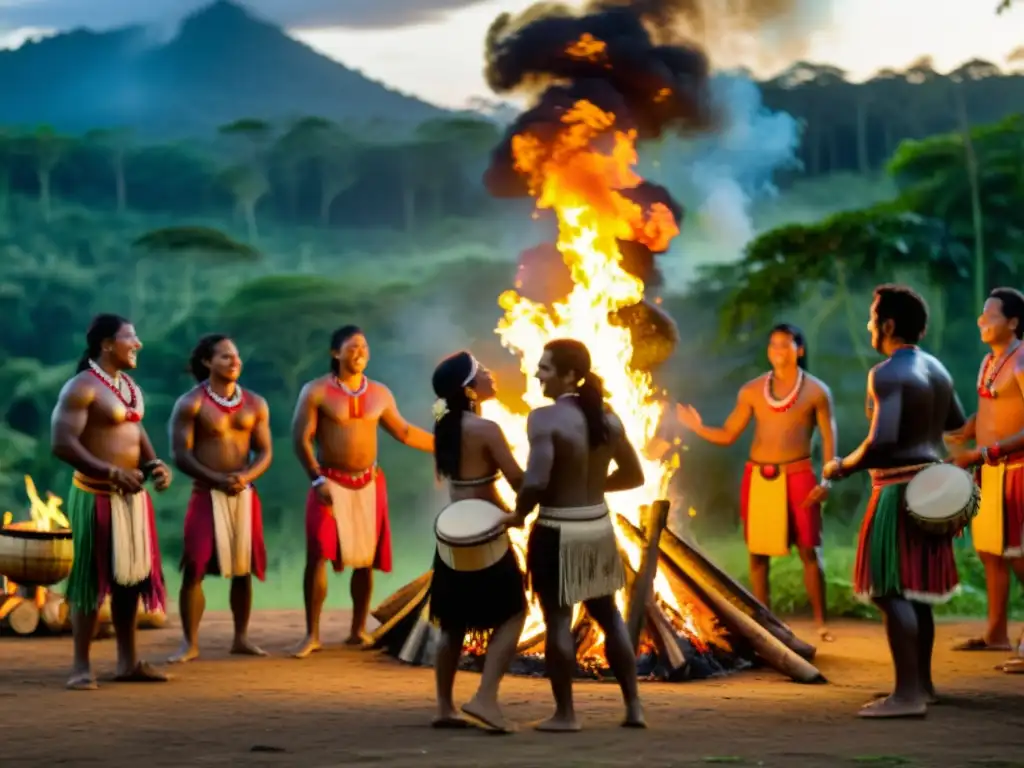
(117, 142)
(46, 147)
(247, 177)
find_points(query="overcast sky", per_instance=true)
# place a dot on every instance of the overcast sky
(433, 48)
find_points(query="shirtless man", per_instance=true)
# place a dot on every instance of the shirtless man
(572, 554)
(900, 567)
(97, 429)
(347, 507)
(780, 498)
(998, 431)
(220, 436)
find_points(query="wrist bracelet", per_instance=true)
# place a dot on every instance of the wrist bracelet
(318, 481)
(826, 484)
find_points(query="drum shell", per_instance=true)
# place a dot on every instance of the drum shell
(476, 555)
(951, 526)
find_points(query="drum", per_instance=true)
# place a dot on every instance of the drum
(942, 499)
(471, 535)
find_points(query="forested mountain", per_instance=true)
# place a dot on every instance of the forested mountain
(222, 64)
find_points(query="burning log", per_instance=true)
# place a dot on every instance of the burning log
(18, 615)
(402, 619)
(384, 612)
(682, 552)
(655, 518)
(663, 636)
(769, 648)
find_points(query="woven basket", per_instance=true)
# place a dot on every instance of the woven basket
(32, 557)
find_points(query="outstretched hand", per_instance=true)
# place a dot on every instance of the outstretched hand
(688, 417)
(161, 475)
(817, 495)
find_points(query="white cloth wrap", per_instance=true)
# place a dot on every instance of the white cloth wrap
(355, 514)
(232, 530)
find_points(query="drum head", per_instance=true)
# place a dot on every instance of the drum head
(940, 491)
(468, 520)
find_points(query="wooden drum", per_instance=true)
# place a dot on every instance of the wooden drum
(942, 499)
(471, 535)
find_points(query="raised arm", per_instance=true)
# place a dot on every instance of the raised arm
(304, 429)
(183, 433)
(887, 400)
(404, 432)
(628, 473)
(729, 432)
(260, 444)
(825, 418)
(67, 424)
(501, 455)
(538, 464)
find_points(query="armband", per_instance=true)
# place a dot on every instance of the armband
(318, 481)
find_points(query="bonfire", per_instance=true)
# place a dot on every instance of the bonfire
(687, 618)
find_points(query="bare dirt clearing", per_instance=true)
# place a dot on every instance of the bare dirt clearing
(353, 708)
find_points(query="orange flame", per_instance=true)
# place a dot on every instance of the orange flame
(570, 176)
(588, 47)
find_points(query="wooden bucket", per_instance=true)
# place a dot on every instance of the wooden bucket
(39, 558)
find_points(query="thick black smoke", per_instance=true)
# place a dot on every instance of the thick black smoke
(649, 88)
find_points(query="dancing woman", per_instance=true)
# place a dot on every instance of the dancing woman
(471, 453)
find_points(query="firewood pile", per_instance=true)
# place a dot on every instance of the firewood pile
(707, 625)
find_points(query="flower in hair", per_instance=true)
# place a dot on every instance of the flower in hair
(439, 408)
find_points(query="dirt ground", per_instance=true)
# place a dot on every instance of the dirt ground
(354, 708)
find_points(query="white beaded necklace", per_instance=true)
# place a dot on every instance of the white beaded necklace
(788, 401)
(360, 390)
(223, 402)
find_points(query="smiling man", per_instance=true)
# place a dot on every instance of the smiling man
(347, 506)
(220, 435)
(97, 429)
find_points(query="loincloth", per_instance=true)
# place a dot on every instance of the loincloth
(573, 555)
(224, 534)
(895, 557)
(772, 508)
(999, 525)
(355, 531)
(115, 543)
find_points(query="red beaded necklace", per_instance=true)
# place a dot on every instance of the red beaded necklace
(783, 405)
(990, 370)
(132, 412)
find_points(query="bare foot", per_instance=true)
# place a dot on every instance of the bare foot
(1013, 666)
(242, 646)
(185, 654)
(559, 724)
(825, 635)
(307, 646)
(981, 644)
(447, 717)
(83, 680)
(634, 716)
(487, 713)
(893, 707)
(931, 698)
(142, 673)
(358, 641)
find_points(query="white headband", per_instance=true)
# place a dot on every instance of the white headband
(474, 369)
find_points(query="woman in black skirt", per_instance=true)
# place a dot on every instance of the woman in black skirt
(471, 453)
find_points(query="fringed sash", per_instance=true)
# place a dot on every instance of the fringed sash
(131, 537)
(589, 561)
(232, 528)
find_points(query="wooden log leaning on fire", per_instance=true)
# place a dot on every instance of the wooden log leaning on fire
(412, 599)
(775, 653)
(641, 593)
(19, 615)
(680, 551)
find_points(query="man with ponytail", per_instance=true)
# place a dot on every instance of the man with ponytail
(97, 430)
(780, 497)
(334, 432)
(572, 554)
(220, 436)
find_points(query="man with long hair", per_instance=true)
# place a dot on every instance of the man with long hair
(780, 497)
(572, 554)
(347, 505)
(97, 429)
(998, 432)
(220, 437)
(902, 568)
